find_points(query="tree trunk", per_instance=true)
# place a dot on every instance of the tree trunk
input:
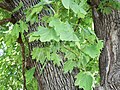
(107, 28)
(52, 77)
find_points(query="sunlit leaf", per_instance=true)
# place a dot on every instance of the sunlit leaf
(47, 34)
(84, 80)
(92, 51)
(66, 3)
(69, 65)
(29, 75)
(56, 59)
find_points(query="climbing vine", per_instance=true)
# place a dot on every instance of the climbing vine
(68, 32)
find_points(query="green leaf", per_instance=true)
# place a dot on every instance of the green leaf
(48, 55)
(1, 0)
(100, 44)
(55, 58)
(82, 3)
(39, 54)
(34, 36)
(66, 3)
(69, 55)
(36, 10)
(69, 65)
(77, 44)
(92, 51)
(23, 26)
(29, 75)
(85, 60)
(64, 30)
(75, 7)
(47, 34)
(67, 36)
(31, 13)
(35, 53)
(15, 31)
(80, 15)
(57, 24)
(107, 10)
(84, 80)
(34, 19)
(10, 39)
(18, 7)
(82, 11)
(44, 34)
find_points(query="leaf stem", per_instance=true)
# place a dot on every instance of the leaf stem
(69, 49)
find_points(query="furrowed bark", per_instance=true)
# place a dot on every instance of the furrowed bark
(107, 28)
(5, 7)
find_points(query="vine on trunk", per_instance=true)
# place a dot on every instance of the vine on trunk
(69, 31)
(20, 41)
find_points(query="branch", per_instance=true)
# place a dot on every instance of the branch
(69, 49)
(76, 54)
(93, 3)
(3, 21)
(20, 41)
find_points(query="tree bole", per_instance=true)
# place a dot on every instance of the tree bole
(107, 28)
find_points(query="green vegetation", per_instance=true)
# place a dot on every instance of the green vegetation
(69, 31)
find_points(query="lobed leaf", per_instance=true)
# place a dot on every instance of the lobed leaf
(84, 80)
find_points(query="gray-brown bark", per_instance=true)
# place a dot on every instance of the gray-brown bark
(107, 28)
(52, 77)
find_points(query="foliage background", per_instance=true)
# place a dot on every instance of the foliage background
(69, 30)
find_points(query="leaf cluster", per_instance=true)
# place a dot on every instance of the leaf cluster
(68, 36)
(106, 6)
